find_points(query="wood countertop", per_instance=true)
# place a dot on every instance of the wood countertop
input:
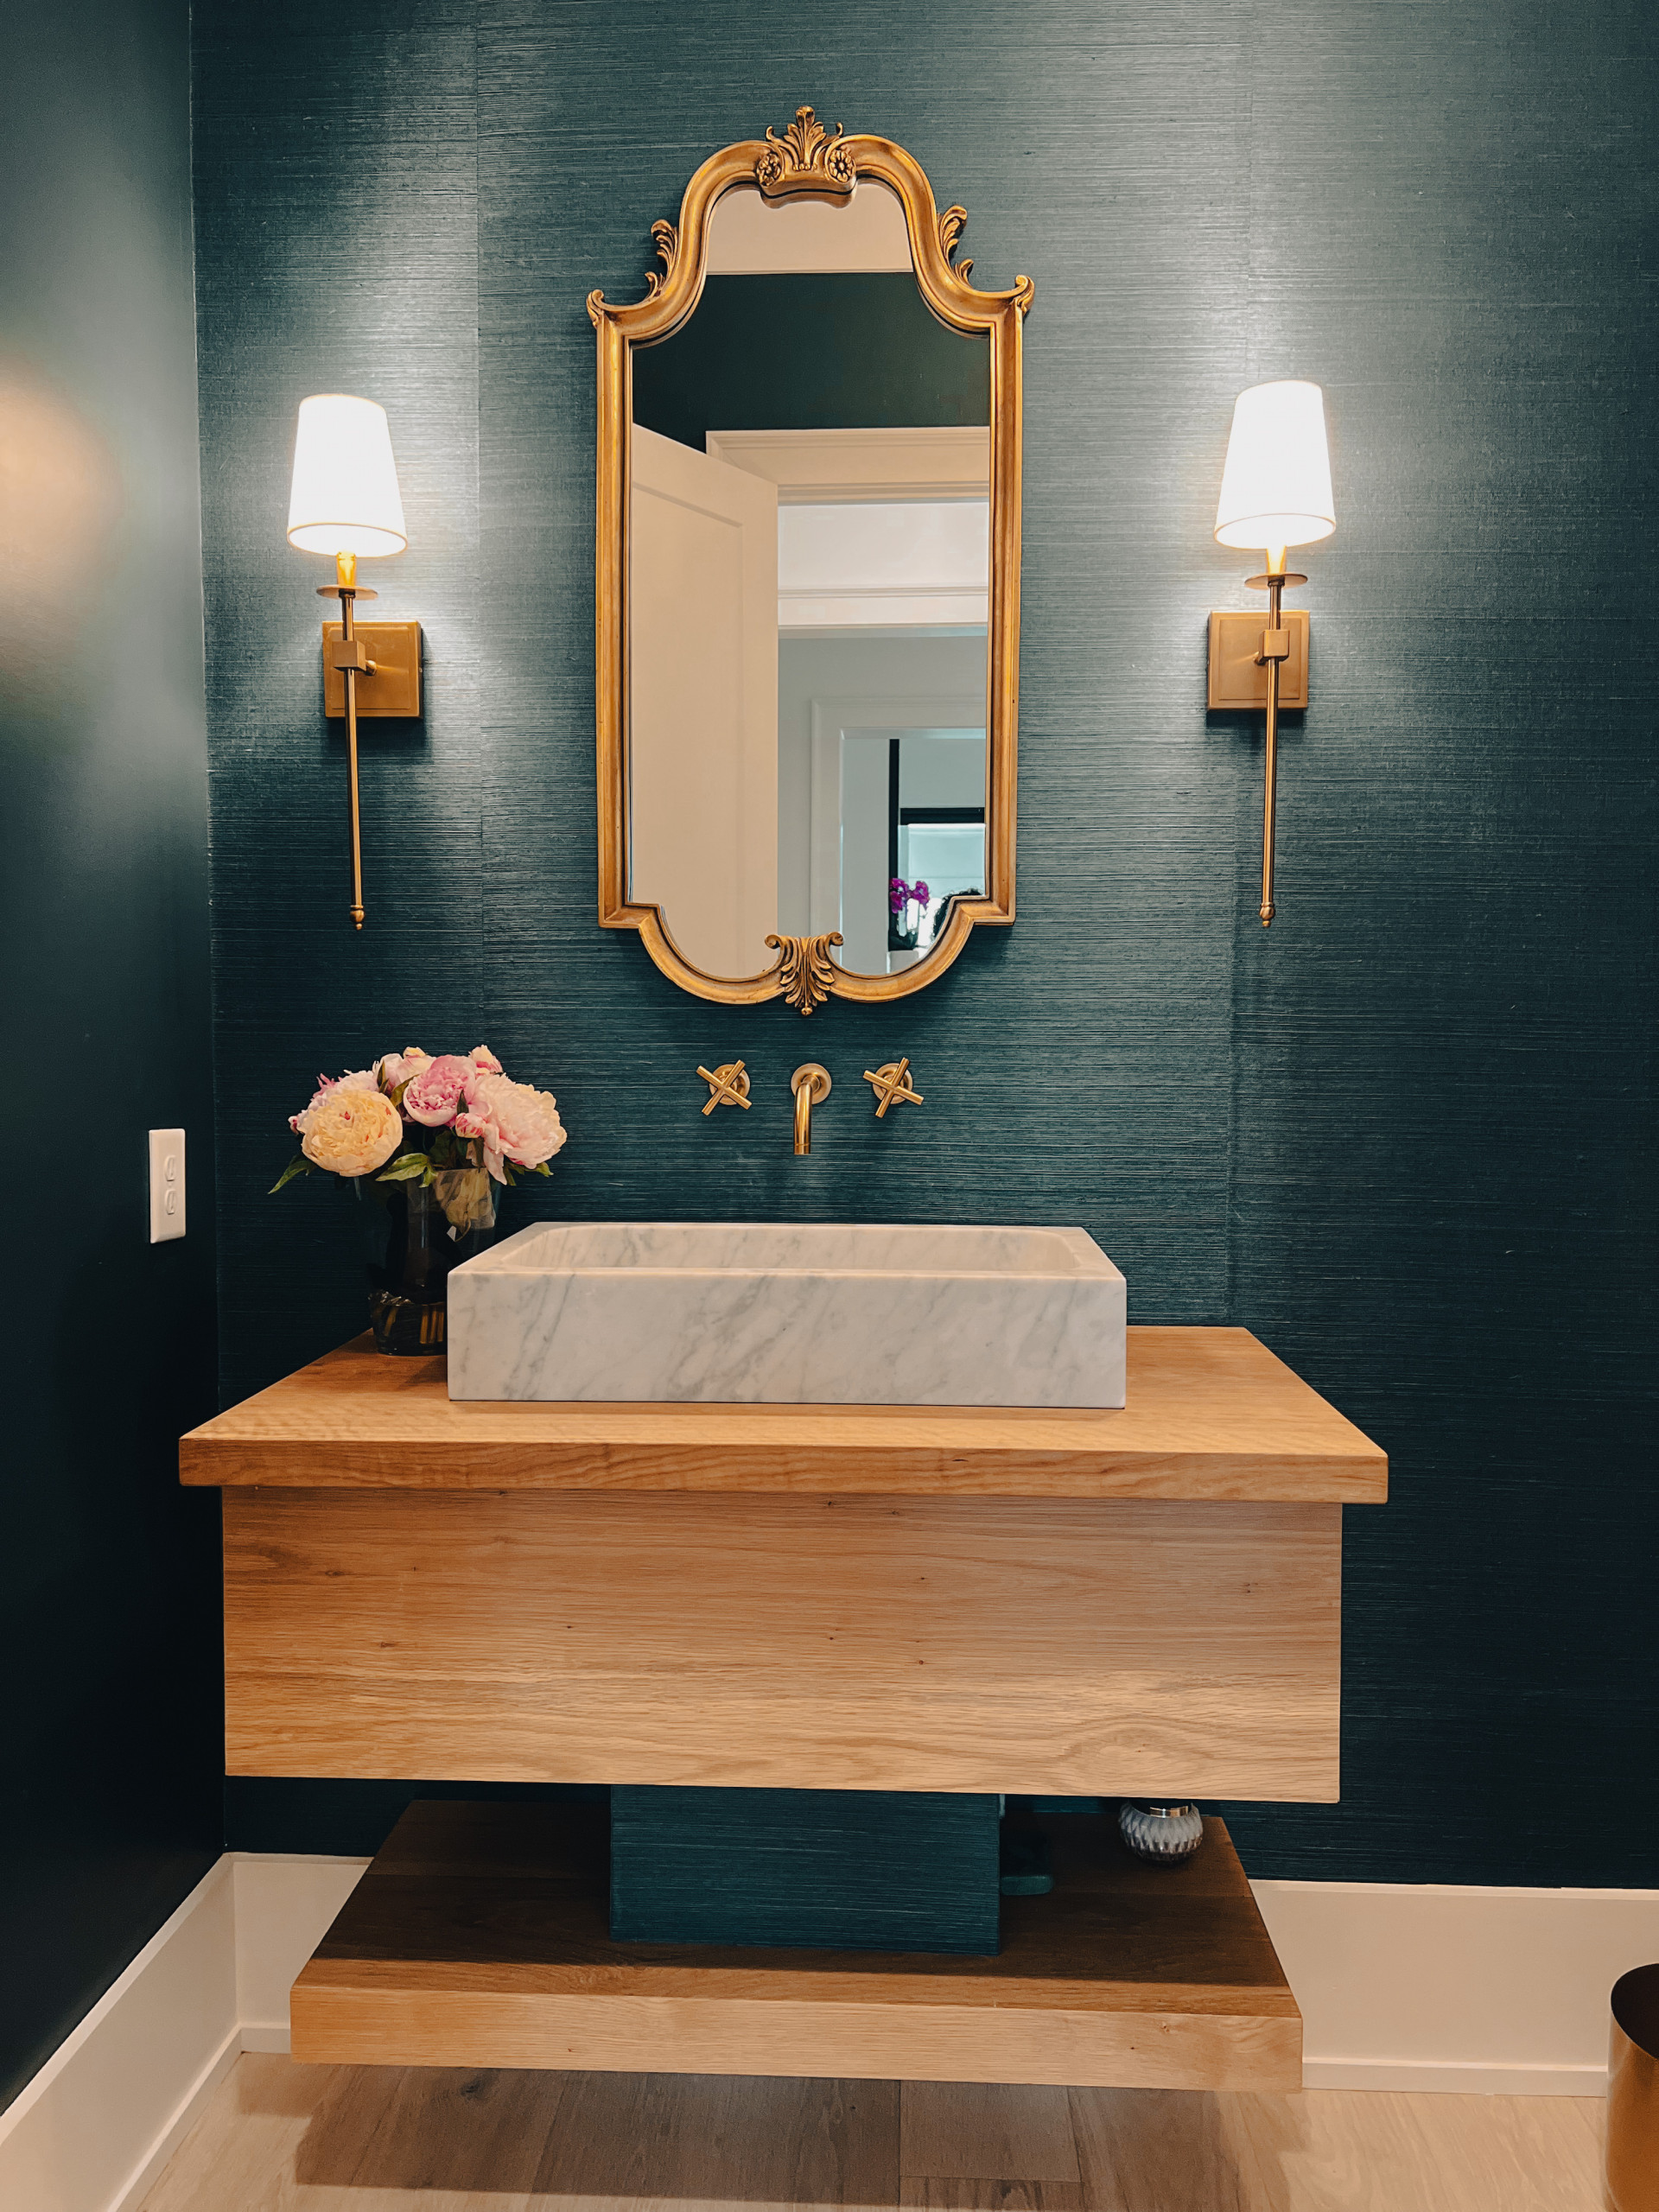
(1211, 1415)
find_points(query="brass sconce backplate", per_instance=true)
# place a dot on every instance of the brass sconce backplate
(1237, 680)
(394, 689)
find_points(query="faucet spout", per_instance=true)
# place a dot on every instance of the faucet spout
(811, 1084)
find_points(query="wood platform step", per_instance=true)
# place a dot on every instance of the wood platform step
(478, 1937)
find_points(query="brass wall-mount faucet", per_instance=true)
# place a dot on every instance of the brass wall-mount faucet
(890, 1083)
(811, 1084)
(728, 1085)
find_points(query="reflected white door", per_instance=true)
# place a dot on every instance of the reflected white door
(703, 737)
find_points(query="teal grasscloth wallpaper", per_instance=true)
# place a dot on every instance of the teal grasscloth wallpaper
(1400, 1136)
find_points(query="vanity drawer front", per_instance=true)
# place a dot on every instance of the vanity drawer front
(1059, 1646)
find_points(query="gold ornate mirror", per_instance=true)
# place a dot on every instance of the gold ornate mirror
(808, 621)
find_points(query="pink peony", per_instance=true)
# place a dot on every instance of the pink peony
(358, 1079)
(513, 1122)
(434, 1095)
(399, 1067)
(483, 1060)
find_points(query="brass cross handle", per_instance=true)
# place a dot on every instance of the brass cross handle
(728, 1085)
(891, 1082)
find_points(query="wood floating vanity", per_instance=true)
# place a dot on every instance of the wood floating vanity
(1142, 1602)
(478, 1937)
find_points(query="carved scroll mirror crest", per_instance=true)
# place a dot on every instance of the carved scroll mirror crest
(808, 581)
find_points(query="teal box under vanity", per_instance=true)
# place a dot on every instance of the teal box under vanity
(859, 1870)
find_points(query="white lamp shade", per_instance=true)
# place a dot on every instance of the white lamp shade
(345, 498)
(1275, 489)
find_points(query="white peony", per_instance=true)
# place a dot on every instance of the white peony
(358, 1079)
(351, 1132)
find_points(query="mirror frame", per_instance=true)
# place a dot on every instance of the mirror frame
(812, 161)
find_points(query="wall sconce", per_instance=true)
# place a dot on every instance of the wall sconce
(345, 501)
(1275, 492)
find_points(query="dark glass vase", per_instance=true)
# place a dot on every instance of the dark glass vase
(433, 1228)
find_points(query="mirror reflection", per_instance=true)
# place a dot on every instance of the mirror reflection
(809, 577)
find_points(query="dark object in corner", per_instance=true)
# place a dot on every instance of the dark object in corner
(1027, 1864)
(873, 1870)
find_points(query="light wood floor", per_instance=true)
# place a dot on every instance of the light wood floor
(282, 2138)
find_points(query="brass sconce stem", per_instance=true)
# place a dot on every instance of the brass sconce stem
(346, 596)
(350, 660)
(1270, 793)
(1275, 651)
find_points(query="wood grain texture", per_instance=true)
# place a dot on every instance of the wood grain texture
(280, 2137)
(479, 1937)
(1338, 2151)
(973, 2130)
(1046, 1645)
(1212, 1414)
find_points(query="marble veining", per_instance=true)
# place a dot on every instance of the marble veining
(790, 1313)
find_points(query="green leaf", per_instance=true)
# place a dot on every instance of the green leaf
(542, 1167)
(298, 1166)
(405, 1168)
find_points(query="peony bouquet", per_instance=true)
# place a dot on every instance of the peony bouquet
(413, 1118)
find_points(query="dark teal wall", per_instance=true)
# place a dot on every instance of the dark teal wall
(109, 1784)
(1398, 1135)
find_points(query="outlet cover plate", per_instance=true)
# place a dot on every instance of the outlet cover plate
(166, 1184)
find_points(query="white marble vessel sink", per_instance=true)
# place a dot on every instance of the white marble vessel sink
(789, 1314)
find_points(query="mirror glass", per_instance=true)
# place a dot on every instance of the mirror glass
(809, 573)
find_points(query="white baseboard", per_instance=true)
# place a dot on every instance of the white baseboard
(132, 2192)
(106, 2111)
(1453, 2077)
(1484, 1992)
(284, 1906)
(270, 2036)
(93, 2129)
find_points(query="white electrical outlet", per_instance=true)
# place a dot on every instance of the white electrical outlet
(166, 1184)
